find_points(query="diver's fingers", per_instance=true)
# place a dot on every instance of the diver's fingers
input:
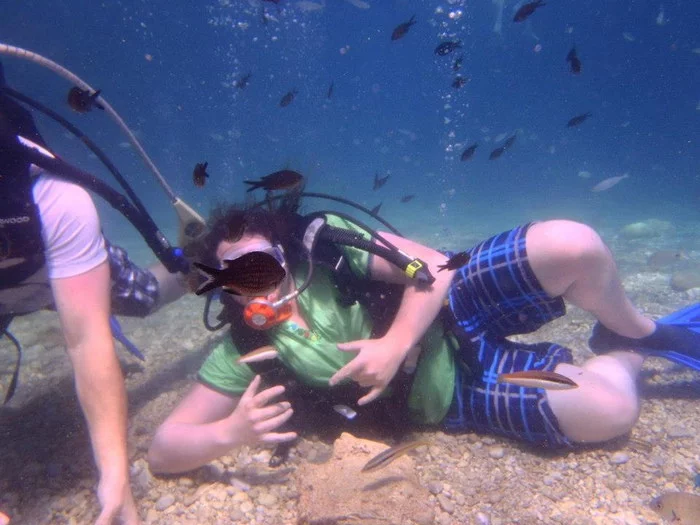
(344, 373)
(263, 427)
(371, 395)
(276, 437)
(270, 411)
(263, 398)
(251, 391)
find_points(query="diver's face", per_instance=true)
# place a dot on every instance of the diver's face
(228, 250)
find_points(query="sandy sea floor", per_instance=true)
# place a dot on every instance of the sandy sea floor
(47, 474)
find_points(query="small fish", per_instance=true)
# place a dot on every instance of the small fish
(252, 274)
(81, 101)
(407, 198)
(330, 91)
(679, 508)
(263, 353)
(288, 97)
(278, 180)
(375, 210)
(458, 63)
(242, 82)
(447, 47)
(379, 181)
(383, 459)
(574, 62)
(200, 175)
(510, 141)
(497, 153)
(459, 81)
(401, 29)
(345, 411)
(469, 152)
(662, 258)
(538, 379)
(578, 119)
(525, 11)
(609, 183)
(455, 262)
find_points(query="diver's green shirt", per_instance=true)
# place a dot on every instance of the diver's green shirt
(313, 356)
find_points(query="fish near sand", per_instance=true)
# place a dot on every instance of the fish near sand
(679, 508)
(608, 183)
(278, 180)
(401, 29)
(538, 379)
(252, 274)
(662, 258)
(526, 10)
(384, 458)
(455, 262)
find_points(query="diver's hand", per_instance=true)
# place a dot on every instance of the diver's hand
(255, 417)
(117, 502)
(374, 366)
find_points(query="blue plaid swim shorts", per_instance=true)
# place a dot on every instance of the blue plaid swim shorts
(134, 289)
(496, 295)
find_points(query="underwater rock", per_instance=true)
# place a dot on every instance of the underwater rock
(646, 229)
(684, 280)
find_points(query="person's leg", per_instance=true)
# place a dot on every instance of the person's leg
(570, 260)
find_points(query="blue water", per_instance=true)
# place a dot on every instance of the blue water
(168, 68)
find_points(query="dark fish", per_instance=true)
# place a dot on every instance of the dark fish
(447, 47)
(252, 274)
(574, 62)
(469, 152)
(379, 181)
(382, 459)
(288, 97)
(375, 210)
(401, 29)
(272, 1)
(455, 262)
(279, 180)
(242, 82)
(497, 153)
(680, 508)
(82, 101)
(330, 91)
(538, 379)
(662, 258)
(526, 10)
(459, 81)
(458, 63)
(578, 119)
(407, 198)
(200, 175)
(510, 141)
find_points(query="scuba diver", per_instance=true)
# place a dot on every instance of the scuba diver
(359, 323)
(53, 255)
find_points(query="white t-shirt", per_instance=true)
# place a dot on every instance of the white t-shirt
(73, 241)
(70, 230)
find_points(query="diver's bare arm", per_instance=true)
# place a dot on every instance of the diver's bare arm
(419, 307)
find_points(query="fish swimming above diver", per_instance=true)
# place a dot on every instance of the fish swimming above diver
(458, 63)
(278, 180)
(242, 82)
(526, 10)
(288, 97)
(468, 153)
(577, 120)
(609, 183)
(253, 274)
(329, 94)
(497, 153)
(401, 29)
(574, 62)
(459, 81)
(375, 210)
(447, 47)
(379, 181)
(82, 101)
(199, 174)
(407, 198)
